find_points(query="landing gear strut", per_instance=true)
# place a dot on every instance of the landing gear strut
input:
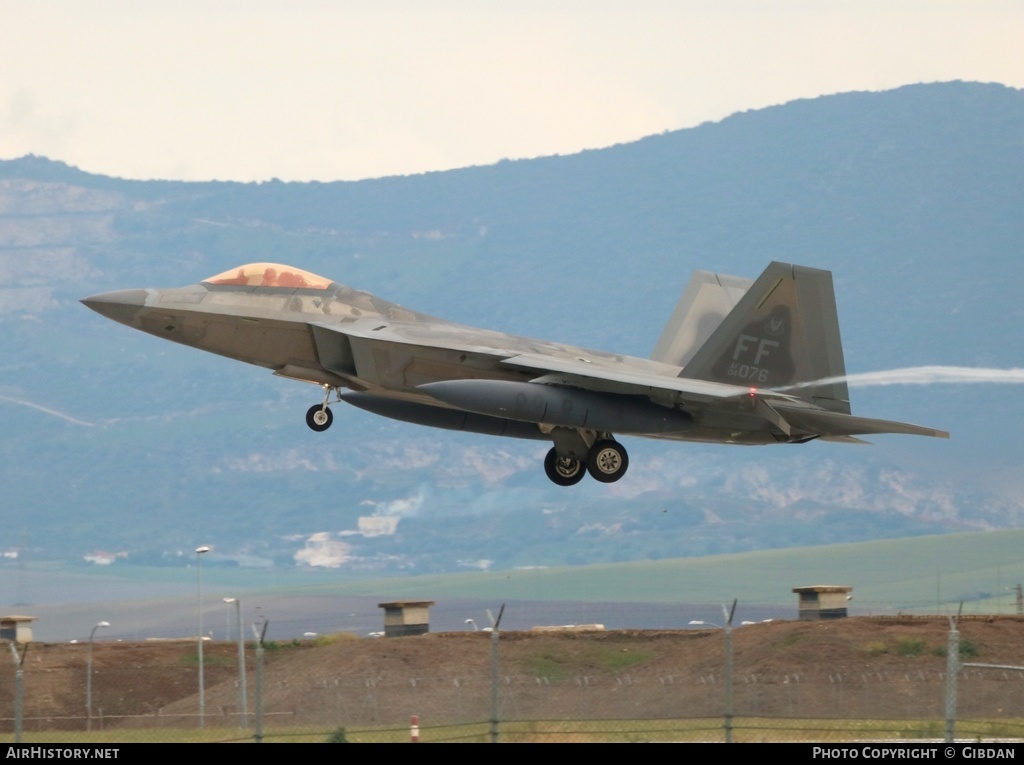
(606, 461)
(319, 417)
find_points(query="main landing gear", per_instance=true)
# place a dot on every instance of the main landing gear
(564, 471)
(319, 417)
(606, 462)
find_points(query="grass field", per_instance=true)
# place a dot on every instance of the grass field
(907, 574)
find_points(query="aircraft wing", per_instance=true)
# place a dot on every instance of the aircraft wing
(622, 381)
(787, 412)
(426, 335)
(596, 372)
(620, 378)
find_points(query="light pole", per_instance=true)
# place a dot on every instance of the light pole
(727, 629)
(88, 676)
(243, 698)
(199, 615)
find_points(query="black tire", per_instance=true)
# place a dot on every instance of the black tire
(563, 471)
(319, 418)
(607, 461)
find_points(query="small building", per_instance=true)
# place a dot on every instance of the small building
(406, 617)
(16, 628)
(823, 601)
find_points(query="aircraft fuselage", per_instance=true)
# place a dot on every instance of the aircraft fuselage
(418, 368)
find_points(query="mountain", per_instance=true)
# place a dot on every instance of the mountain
(114, 442)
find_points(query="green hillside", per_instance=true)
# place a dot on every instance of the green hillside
(898, 574)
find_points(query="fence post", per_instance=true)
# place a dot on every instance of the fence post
(494, 674)
(952, 671)
(728, 670)
(19, 690)
(258, 736)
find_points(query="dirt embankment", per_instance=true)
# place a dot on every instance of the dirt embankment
(859, 667)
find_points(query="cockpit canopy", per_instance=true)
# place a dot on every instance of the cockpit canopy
(269, 275)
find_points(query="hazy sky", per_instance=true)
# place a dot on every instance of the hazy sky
(332, 89)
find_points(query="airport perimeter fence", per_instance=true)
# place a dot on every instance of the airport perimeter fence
(540, 698)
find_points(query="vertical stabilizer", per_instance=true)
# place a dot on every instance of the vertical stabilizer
(784, 330)
(705, 302)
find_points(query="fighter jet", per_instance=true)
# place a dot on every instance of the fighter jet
(739, 362)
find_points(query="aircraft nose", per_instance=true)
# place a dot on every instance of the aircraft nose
(120, 305)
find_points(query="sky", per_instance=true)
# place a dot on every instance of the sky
(251, 90)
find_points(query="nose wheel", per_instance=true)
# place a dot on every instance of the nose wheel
(319, 418)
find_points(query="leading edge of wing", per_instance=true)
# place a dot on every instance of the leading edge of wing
(829, 423)
(606, 378)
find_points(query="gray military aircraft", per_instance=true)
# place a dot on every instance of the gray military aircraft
(740, 362)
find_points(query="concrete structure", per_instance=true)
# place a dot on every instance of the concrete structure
(406, 617)
(569, 628)
(16, 628)
(823, 601)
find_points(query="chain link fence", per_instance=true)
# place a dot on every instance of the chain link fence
(583, 687)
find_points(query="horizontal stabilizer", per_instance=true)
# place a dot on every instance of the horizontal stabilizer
(837, 424)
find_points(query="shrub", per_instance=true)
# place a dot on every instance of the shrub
(968, 649)
(910, 646)
(337, 737)
(876, 648)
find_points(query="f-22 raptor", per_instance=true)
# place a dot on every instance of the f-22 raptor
(740, 362)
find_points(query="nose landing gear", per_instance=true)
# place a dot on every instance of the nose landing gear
(319, 417)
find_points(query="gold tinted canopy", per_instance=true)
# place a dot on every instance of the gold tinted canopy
(270, 275)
